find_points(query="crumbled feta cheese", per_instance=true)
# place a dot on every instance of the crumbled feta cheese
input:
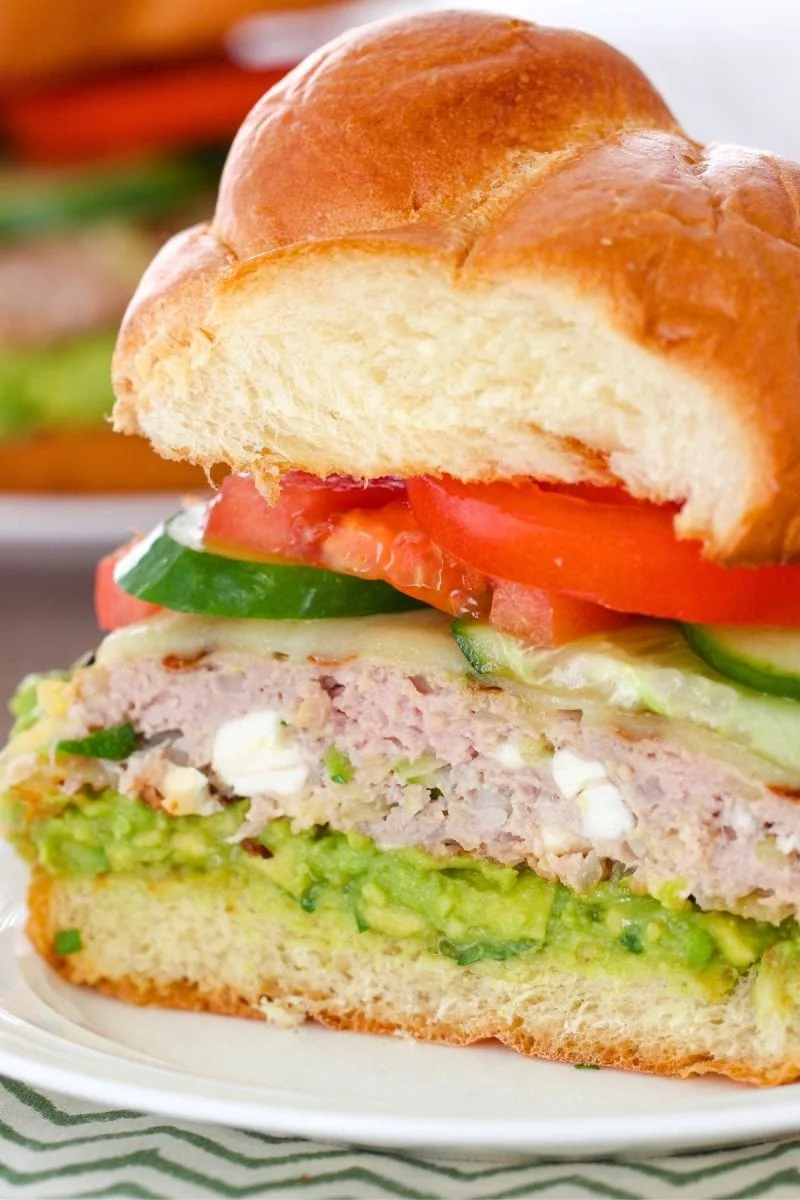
(788, 843)
(254, 756)
(573, 774)
(604, 814)
(508, 754)
(185, 792)
(742, 820)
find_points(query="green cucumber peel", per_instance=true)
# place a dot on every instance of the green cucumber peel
(171, 568)
(462, 631)
(113, 744)
(765, 660)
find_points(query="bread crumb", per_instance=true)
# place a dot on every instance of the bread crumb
(288, 1014)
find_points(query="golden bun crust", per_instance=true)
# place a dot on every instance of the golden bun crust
(40, 39)
(464, 244)
(90, 461)
(420, 121)
(191, 943)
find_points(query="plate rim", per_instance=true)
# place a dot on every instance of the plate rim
(765, 1114)
(39, 1055)
(72, 520)
(654, 1133)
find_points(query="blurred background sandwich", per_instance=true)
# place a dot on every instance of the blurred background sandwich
(114, 122)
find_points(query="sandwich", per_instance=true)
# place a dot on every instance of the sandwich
(115, 125)
(38, 41)
(469, 707)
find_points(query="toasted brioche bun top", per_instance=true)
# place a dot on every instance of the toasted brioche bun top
(39, 38)
(464, 244)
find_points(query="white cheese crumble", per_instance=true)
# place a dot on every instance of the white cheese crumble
(508, 754)
(573, 774)
(253, 756)
(604, 814)
(185, 792)
(742, 821)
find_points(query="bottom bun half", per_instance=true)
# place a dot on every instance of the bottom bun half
(202, 942)
(90, 461)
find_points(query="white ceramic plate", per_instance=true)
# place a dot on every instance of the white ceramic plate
(375, 1091)
(75, 530)
(92, 522)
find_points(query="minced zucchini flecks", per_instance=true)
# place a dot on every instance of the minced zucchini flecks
(460, 907)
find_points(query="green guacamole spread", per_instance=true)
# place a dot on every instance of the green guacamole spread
(67, 386)
(461, 907)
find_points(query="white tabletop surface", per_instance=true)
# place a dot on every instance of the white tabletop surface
(727, 68)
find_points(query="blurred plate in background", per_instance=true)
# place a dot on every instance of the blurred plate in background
(76, 528)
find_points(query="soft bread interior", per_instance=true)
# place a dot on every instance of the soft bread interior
(188, 942)
(467, 245)
(368, 360)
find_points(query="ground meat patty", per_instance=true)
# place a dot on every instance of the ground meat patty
(68, 284)
(447, 764)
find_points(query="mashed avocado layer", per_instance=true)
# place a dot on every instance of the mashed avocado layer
(67, 386)
(460, 907)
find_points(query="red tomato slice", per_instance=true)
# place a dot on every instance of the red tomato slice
(138, 110)
(602, 546)
(548, 619)
(113, 607)
(371, 531)
(388, 544)
(241, 520)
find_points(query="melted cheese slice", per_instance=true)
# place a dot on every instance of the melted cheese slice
(415, 639)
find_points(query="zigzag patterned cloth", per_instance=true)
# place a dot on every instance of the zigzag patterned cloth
(54, 1147)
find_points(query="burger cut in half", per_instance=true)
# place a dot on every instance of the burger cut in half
(470, 707)
(113, 120)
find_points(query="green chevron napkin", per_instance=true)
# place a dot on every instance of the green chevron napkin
(51, 1146)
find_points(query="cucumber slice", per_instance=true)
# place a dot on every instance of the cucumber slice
(171, 568)
(645, 668)
(767, 660)
(490, 652)
(40, 202)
